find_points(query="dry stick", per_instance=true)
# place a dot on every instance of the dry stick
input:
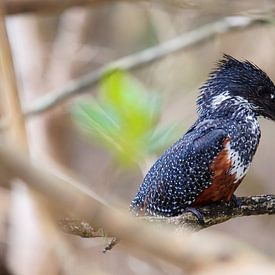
(17, 133)
(182, 250)
(46, 6)
(52, 6)
(12, 104)
(82, 84)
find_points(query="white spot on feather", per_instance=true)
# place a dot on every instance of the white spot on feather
(217, 100)
(254, 123)
(237, 166)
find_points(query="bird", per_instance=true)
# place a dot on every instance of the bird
(207, 164)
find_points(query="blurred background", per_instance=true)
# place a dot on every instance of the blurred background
(52, 48)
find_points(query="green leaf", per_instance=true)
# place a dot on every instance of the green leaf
(130, 101)
(99, 122)
(124, 118)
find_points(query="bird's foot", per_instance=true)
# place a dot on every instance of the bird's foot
(197, 213)
(236, 201)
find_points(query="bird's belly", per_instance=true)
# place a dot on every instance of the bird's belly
(227, 171)
(221, 189)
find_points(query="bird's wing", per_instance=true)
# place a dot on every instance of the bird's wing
(184, 171)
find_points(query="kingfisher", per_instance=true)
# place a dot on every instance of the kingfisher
(207, 164)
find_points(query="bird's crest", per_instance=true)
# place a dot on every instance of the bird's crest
(233, 78)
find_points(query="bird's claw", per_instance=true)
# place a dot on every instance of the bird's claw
(197, 213)
(236, 201)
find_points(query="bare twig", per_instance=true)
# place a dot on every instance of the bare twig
(17, 131)
(80, 228)
(113, 241)
(82, 84)
(45, 6)
(181, 250)
(53, 6)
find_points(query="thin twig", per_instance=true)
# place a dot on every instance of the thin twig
(17, 132)
(84, 83)
(53, 6)
(113, 241)
(181, 250)
(46, 6)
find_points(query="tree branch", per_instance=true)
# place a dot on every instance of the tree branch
(184, 41)
(221, 212)
(53, 6)
(212, 214)
(11, 101)
(46, 6)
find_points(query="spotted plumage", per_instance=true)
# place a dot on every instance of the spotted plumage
(208, 163)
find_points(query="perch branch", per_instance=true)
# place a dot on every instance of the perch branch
(82, 84)
(182, 250)
(212, 214)
(221, 212)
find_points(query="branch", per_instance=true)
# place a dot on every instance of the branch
(45, 6)
(162, 242)
(184, 41)
(80, 228)
(53, 6)
(11, 103)
(221, 212)
(212, 214)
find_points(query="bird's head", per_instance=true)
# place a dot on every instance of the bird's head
(238, 82)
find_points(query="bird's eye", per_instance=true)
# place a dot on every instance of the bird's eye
(265, 93)
(260, 91)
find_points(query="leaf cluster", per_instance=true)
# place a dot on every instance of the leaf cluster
(124, 118)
